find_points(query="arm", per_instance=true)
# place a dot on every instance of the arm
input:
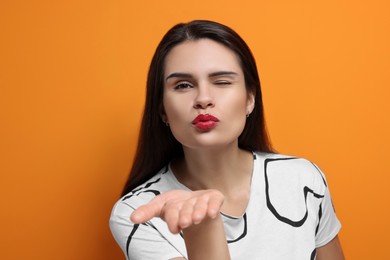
(331, 251)
(196, 213)
(206, 240)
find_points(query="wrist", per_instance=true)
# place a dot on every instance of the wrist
(209, 235)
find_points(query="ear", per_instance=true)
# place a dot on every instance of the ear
(250, 103)
(164, 118)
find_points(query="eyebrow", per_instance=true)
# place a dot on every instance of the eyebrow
(222, 73)
(179, 75)
(189, 76)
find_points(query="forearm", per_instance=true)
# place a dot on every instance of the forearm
(207, 240)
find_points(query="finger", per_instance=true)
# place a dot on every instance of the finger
(185, 214)
(200, 210)
(148, 211)
(170, 214)
(214, 205)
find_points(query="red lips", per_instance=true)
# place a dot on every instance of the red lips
(205, 122)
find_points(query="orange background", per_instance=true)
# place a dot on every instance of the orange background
(72, 77)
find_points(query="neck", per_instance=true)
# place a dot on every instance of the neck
(226, 169)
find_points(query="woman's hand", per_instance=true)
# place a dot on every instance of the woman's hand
(181, 209)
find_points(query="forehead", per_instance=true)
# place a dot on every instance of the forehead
(203, 55)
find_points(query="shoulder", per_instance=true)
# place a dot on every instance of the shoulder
(291, 169)
(135, 238)
(124, 207)
(145, 192)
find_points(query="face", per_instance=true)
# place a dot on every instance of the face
(205, 100)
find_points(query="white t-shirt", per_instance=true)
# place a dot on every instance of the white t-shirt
(289, 215)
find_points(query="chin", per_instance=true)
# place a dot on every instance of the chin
(215, 143)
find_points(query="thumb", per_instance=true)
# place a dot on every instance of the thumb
(148, 211)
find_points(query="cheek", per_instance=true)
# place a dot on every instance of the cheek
(236, 103)
(238, 111)
(174, 109)
(240, 119)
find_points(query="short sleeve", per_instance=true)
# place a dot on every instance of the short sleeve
(139, 241)
(329, 225)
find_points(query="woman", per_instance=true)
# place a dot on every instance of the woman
(205, 182)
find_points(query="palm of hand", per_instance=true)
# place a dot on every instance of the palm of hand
(180, 208)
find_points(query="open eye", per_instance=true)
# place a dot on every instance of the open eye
(183, 85)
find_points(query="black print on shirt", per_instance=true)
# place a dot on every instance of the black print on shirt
(243, 234)
(305, 190)
(137, 192)
(135, 227)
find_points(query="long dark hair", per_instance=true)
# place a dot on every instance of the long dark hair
(157, 146)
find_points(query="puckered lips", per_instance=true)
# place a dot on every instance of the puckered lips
(205, 122)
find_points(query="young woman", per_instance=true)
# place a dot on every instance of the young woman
(205, 183)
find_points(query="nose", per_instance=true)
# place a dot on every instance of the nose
(204, 98)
